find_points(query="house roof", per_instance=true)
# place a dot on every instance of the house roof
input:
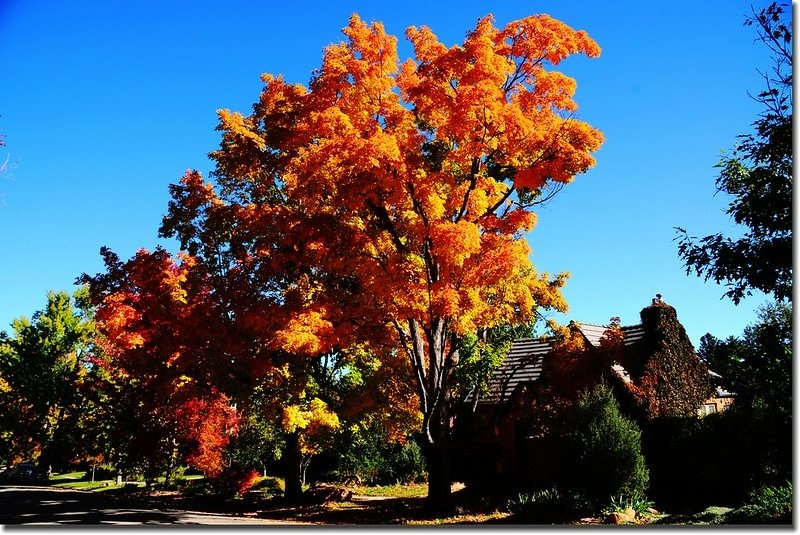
(722, 393)
(523, 364)
(593, 332)
(524, 361)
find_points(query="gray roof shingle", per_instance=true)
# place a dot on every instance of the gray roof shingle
(524, 361)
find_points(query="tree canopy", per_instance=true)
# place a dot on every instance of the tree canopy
(387, 201)
(757, 365)
(43, 365)
(364, 233)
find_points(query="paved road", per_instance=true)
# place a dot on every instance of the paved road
(45, 506)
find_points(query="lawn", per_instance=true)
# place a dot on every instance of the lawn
(81, 480)
(96, 486)
(68, 476)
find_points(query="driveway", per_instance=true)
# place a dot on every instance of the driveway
(47, 506)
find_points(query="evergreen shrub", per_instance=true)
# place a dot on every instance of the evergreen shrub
(606, 451)
(765, 505)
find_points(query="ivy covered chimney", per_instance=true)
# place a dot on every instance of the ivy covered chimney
(671, 379)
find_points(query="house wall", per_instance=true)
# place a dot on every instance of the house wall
(715, 404)
(487, 446)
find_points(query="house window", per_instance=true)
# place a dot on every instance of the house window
(707, 408)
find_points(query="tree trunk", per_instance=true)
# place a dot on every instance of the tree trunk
(434, 382)
(172, 462)
(305, 460)
(293, 459)
(438, 459)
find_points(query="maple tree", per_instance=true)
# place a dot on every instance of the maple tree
(160, 371)
(182, 343)
(387, 202)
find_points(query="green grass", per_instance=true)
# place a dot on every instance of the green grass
(68, 476)
(63, 481)
(80, 480)
(97, 486)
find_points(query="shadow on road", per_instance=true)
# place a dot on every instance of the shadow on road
(37, 505)
(53, 506)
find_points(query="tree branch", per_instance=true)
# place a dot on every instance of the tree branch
(383, 217)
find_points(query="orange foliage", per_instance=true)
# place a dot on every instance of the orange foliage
(570, 366)
(308, 333)
(207, 425)
(386, 202)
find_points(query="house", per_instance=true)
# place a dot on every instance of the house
(652, 368)
(719, 401)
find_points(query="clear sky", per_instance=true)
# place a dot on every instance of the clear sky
(103, 104)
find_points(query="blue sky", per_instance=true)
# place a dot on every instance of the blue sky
(103, 104)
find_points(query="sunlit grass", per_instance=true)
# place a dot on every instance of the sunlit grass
(412, 490)
(68, 476)
(97, 486)
(478, 518)
(80, 480)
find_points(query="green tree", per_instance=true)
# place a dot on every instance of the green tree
(368, 453)
(758, 365)
(43, 368)
(757, 428)
(257, 444)
(606, 451)
(758, 177)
